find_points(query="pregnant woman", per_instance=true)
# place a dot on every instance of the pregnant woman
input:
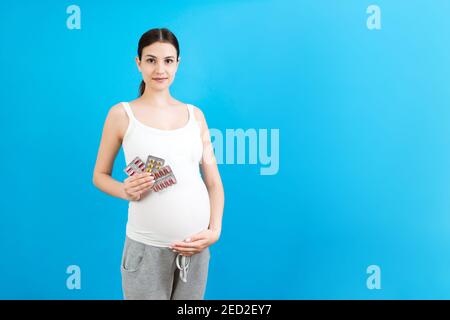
(168, 233)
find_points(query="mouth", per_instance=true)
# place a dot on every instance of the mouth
(159, 79)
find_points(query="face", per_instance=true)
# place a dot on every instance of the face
(158, 62)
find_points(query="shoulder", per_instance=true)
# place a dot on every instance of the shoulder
(198, 113)
(200, 119)
(117, 110)
(118, 119)
(117, 113)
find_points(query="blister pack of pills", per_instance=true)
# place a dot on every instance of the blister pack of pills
(164, 176)
(135, 166)
(154, 164)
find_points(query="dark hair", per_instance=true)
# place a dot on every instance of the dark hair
(152, 36)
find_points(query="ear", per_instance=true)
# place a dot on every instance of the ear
(138, 63)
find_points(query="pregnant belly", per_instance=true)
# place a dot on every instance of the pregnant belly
(173, 214)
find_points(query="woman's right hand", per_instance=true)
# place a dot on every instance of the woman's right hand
(138, 184)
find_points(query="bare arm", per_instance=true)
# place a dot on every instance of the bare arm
(110, 144)
(211, 176)
(132, 188)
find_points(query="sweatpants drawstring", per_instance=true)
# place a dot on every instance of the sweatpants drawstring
(183, 265)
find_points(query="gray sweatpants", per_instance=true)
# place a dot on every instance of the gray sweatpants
(158, 273)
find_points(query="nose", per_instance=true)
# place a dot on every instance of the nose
(159, 68)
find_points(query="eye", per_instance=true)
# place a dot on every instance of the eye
(150, 60)
(169, 60)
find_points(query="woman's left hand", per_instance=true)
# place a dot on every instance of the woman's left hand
(195, 243)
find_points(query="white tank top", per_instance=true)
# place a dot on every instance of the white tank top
(181, 210)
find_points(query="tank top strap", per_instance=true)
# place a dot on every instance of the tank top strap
(191, 112)
(127, 108)
(192, 121)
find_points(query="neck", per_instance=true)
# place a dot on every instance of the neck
(158, 99)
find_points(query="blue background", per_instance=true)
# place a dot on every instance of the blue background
(364, 125)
